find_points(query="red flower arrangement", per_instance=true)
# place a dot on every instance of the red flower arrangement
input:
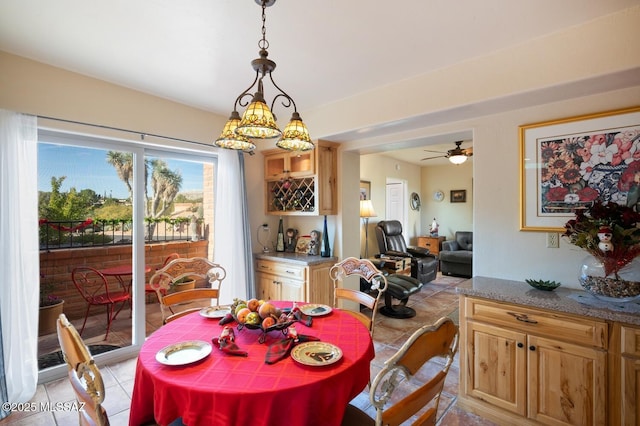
(624, 225)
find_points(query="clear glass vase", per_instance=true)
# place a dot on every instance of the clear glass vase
(623, 289)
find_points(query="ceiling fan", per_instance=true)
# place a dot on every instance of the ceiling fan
(456, 155)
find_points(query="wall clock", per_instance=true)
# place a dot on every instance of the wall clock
(415, 201)
(438, 196)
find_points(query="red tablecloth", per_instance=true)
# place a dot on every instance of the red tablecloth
(229, 390)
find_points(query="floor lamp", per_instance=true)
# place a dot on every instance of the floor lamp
(366, 211)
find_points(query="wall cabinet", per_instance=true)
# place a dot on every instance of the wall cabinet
(530, 366)
(301, 183)
(281, 280)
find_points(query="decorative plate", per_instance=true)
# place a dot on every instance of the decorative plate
(316, 353)
(415, 201)
(315, 310)
(183, 353)
(215, 311)
(438, 196)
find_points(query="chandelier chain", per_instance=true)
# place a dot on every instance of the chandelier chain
(264, 44)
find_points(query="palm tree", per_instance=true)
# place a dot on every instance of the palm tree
(123, 163)
(165, 183)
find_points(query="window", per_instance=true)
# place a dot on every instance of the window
(105, 203)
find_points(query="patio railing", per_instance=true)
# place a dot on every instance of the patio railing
(96, 232)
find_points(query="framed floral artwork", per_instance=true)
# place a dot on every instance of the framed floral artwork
(567, 164)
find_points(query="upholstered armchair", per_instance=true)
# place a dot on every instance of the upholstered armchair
(391, 242)
(456, 256)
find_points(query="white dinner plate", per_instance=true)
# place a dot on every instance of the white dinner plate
(315, 310)
(316, 353)
(215, 311)
(183, 353)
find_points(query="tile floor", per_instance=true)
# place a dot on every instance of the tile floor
(435, 300)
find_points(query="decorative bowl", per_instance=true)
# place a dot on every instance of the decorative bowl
(543, 285)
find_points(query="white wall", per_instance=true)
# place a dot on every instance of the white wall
(450, 216)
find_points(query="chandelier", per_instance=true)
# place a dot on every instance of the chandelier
(258, 122)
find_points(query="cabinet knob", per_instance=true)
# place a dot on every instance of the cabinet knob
(520, 345)
(532, 348)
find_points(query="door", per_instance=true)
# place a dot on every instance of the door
(395, 208)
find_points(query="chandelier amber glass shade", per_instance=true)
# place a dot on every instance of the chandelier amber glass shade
(258, 122)
(229, 139)
(295, 136)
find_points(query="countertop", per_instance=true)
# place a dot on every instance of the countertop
(561, 299)
(297, 258)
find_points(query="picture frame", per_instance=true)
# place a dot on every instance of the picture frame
(365, 190)
(567, 164)
(458, 196)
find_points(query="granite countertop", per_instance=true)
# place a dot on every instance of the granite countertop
(561, 299)
(298, 258)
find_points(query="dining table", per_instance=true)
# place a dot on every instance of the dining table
(225, 389)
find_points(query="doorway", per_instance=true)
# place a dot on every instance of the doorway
(395, 205)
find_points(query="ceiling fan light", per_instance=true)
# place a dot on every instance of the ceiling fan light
(458, 159)
(258, 121)
(229, 139)
(295, 136)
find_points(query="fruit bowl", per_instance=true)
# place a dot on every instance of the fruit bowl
(280, 326)
(543, 285)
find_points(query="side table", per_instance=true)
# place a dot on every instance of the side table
(434, 244)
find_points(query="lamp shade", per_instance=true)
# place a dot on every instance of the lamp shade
(366, 209)
(458, 159)
(295, 136)
(229, 139)
(258, 121)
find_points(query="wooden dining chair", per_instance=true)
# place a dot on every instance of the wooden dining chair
(94, 289)
(439, 340)
(84, 375)
(165, 277)
(172, 256)
(366, 270)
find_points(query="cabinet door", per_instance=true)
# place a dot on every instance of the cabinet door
(320, 286)
(496, 366)
(265, 286)
(567, 383)
(289, 289)
(630, 384)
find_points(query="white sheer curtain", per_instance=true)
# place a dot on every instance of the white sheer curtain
(232, 242)
(19, 253)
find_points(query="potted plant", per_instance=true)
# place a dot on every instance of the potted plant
(610, 233)
(50, 309)
(184, 283)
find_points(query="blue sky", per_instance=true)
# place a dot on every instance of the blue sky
(87, 168)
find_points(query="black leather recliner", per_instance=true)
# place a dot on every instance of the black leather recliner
(424, 267)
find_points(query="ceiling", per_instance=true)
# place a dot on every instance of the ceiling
(198, 52)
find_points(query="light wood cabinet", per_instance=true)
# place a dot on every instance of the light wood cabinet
(280, 164)
(531, 366)
(281, 280)
(302, 183)
(625, 376)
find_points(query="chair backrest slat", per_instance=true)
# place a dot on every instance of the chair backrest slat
(428, 342)
(84, 375)
(179, 268)
(366, 270)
